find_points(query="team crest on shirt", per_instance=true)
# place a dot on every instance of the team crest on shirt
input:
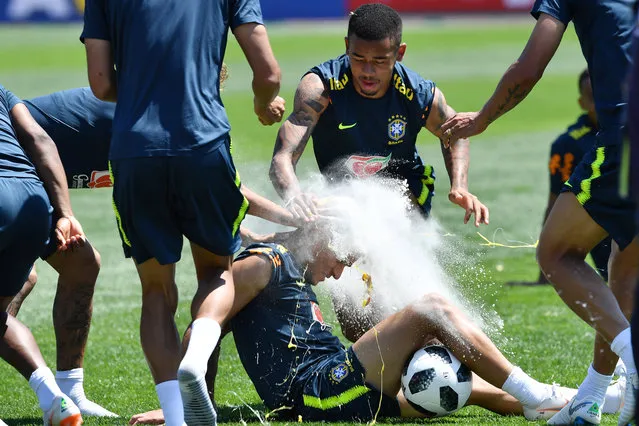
(396, 129)
(339, 373)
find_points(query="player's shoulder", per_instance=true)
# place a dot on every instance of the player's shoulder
(575, 132)
(273, 251)
(334, 73)
(412, 85)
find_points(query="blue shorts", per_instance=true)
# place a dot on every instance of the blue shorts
(423, 189)
(596, 182)
(335, 390)
(158, 200)
(25, 221)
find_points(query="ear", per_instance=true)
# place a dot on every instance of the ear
(401, 52)
(346, 44)
(582, 103)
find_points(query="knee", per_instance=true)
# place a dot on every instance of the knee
(432, 307)
(82, 266)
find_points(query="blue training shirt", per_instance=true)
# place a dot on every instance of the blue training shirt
(568, 150)
(281, 335)
(604, 29)
(364, 136)
(168, 54)
(14, 162)
(80, 125)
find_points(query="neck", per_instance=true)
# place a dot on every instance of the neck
(593, 118)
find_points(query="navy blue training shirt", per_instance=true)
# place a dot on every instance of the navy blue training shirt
(13, 160)
(604, 29)
(80, 125)
(168, 54)
(363, 136)
(280, 335)
(568, 150)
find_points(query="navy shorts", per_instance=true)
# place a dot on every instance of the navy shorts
(336, 390)
(25, 221)
(423, 189)
(158, 200)
(595, 182)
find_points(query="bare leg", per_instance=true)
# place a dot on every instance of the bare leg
(18, 347)
(14, 305)
(392, 341)
(567, 237)
(158, 332)
(73, 306)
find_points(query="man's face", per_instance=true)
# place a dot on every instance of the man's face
(372, 64)
(586, 99)
(324, 265)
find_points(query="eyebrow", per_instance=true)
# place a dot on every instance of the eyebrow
(374, 57)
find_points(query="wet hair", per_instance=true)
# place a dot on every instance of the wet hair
(375, 22)
(583, 78)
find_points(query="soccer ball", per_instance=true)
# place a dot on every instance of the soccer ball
(435, 383)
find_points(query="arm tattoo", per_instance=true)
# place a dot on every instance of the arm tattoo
(515, 95)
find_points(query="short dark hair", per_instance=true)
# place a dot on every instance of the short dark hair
(583, 77)
(374, 22)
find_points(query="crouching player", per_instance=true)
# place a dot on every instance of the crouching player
(300, 368)
(32, 186)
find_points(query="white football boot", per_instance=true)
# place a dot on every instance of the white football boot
(557, 399)
(578, 412)
(627, 416)
(63, 412)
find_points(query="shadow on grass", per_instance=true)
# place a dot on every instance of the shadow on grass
(30, 421)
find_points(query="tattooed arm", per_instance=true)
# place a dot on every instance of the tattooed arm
(515, 84)
(457, 158)
(311, 99)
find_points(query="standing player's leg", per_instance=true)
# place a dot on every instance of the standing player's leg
(149, 235)
(390, 343)
(210, 207)
(72, 310)
(16, 303)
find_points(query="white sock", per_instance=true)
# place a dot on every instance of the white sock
(71, 383)
(622, 346)
(43, 384)
(526, 389)
(205, 334)
(171, 402)
(594, 386)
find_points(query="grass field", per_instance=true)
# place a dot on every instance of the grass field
(508, 172)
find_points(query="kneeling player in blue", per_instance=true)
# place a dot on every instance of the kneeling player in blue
(33, 188)
(364, 111)
(300, 368)
(565, 153)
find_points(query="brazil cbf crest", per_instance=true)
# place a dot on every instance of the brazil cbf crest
(396, 129)
(339, 373)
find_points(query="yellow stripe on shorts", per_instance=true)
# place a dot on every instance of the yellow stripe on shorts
(336, 400)
(243, 208)
(426, 180)
(585, 193)
(118, 218)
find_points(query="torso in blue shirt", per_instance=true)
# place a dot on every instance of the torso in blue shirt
(280, 335)
(13, 160)
(168, 54)
(604, 29)
(80, 125)
(568, 150)
(357, 136)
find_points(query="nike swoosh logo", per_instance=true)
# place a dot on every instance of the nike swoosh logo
(577, 407)
(343, 126)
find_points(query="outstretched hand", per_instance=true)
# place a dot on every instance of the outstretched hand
(461, 125)
(69, 233)
(471, 204)
(303, 207)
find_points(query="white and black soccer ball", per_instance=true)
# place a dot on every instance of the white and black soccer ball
(435, 383)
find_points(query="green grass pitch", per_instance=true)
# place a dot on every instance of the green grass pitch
(508, 172)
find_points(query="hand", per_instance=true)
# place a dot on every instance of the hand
(273, 113)
(471, 204)
(462, 125)
(155, 417)
(303, 207)
(69, 233)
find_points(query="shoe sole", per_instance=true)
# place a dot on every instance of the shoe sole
(580, 421)
(72, 420)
